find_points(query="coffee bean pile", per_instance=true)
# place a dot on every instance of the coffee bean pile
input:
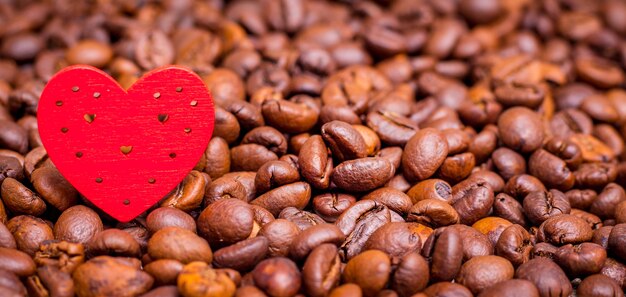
(361, 148)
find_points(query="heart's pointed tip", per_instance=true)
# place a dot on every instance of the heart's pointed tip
(123, 217)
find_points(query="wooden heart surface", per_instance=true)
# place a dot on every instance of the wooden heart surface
(124, 150)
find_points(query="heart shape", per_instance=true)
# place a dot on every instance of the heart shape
(125, 150)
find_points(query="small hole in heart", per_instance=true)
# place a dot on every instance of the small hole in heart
(194, 103)
(59, 103)
(75, 89)
(99, 180)
(79, 154)
(163, 118)
(179, 89)
(156, 95)
(64, 130)
(126, 149)
(89, 117)
(187, 130)
(126, 202)
(172, 155)
(152, 180)
(96, 95)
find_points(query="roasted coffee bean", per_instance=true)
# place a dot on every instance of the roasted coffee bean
(226, 221)
(395, 200)
(411, 275)
(507, 207)
(29, 232)
(322, 270)
(165, 271)
(358, 223)
(447, 289)
(19, 199)
(362, 174)
(615, 270)
(581, 199)
(345, 142)
(393, 155)
(601, 236)
(315, 164)
(616, 241)
(295, 195)
(423, 154)
(277, 277)
(492, 227)
(114, 242)
(445, 249)
(50, 280)
(540, 206)
(606, 202)
(483, 272)
(370, 270)
(520, 186)
(308, 239)
(250, 157)
(53, 188)
(91, 277)
(218, 158)
(89, 52)
(165, 244)
(456, 168)
(243, 255)
(198, 279)
(514, 244)
(188, 194)
(485, 142)
(330, 206)
(289, 117)
(563, 229)
(302, 218)
(169, 217)
(544, 250)
(10, 284)
(583, 259)
(6, 238)
(592, 149)
(62, 254)
(493, 179)
(224, 188)
(433, 213)
(472, 199)
(16, 262)
(552, 171)
(77, 224)
(595, 175)
(520, 129)
(275, 174)
(598, 285)
(474, 242)
(430, 189)
(11, 168)
(620, 213)
(508, 162)
(392, 128)
(226, 125)
(513, 288)
(396, 239)
(280, 234)
(592, 220)
(549, 279)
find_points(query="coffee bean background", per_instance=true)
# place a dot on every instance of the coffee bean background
(361, 148)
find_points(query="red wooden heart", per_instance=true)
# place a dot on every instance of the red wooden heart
(125, 150)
